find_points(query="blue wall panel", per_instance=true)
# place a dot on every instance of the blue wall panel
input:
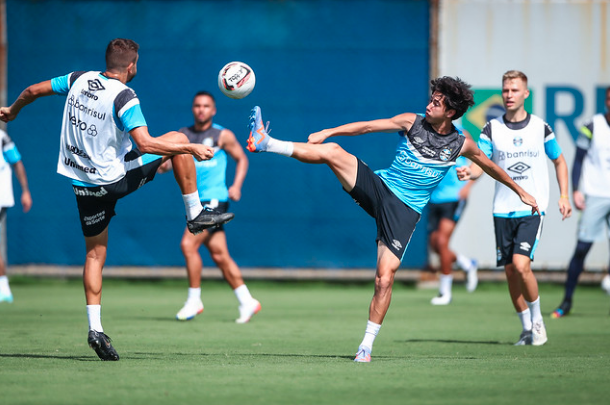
(318, 65)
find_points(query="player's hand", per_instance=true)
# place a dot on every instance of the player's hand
(26, 200)
(318, 137)
(565, 208)
(6, 115)
(235, 193)
(463, 173)
(202, 152)
(579, 200)
(531, 201)
(165, 166)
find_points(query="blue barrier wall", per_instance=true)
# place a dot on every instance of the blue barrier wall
(318, 64)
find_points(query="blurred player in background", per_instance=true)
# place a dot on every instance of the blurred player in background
(10, 157)
(395, 196)
(518, 142)
(447, 203)
(213, 192)
(96, 153)
(591, 194)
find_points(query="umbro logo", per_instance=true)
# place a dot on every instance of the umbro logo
(519, 167)
(396, 244)
(95, 85)
(525, 246)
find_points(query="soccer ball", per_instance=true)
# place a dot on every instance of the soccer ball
(236, 80)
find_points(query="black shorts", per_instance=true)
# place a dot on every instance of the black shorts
(448, 210)
(220, 206)
(516, 236)
(395, 220)
(96, 204)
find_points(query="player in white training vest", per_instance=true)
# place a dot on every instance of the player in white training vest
(591, 193)
(100, 115)
(519, 143)
(10, 157)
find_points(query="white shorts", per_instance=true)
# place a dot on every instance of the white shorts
(594, 219)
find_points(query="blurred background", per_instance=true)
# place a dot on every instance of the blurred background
(318, 64)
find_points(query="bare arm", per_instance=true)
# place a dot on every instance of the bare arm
(229, 143)
(472, 152)
(26, 97)
(561, 170)
(26, 197)
(401, 122)
(172, 143)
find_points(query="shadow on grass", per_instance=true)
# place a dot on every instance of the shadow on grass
(47, 356)
(467, 342)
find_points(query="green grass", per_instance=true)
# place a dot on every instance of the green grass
(299, 349)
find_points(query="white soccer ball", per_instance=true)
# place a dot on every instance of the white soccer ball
(236, 80)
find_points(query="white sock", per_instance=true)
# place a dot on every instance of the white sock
(372, 329)
(243, 294)
(446, 281)
(284, 148)
(463, 262)
(94, 313)
(4, 287)
(194, 294)
(526, 319)
(192, 204)
(534, 308)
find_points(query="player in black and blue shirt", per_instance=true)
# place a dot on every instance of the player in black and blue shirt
(429, 145)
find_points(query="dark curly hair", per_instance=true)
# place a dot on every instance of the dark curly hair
(457, 94)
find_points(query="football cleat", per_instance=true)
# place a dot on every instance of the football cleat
(525, 339)
(563, 310)
(100, 342)
(606, 284)
(8, 298)
(208, 218)
(441, 300)
(539, 334)
(259, 135)
(246, 312)
(190, 310)
(363, 355)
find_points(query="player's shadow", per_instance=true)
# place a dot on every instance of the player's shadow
(467, 342)
(48, 356)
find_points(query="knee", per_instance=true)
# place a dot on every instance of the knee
(331, 150)
(188, 247)
(384, 283)
(582, 249)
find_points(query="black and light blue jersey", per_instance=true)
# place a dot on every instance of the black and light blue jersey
(98, 115)
(422, 159)
(211, 174)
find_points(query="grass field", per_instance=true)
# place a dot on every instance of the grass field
(299, 348)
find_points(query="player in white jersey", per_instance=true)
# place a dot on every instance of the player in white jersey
(10, 157)
(518, 142)
(591, 194)
(213, 192)
(96, 153)
(395, 196)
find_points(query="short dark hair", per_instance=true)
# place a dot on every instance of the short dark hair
(457, 94)
(205, 93)
(120, 53)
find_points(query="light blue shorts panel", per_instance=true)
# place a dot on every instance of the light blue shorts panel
(594, 223)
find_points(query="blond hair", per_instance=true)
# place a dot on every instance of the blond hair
(514, 74)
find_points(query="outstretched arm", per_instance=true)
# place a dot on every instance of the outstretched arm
(472, 152)
(26, 97)
(561, 170)
(26, 197)
(401, 122)
(229, 143)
